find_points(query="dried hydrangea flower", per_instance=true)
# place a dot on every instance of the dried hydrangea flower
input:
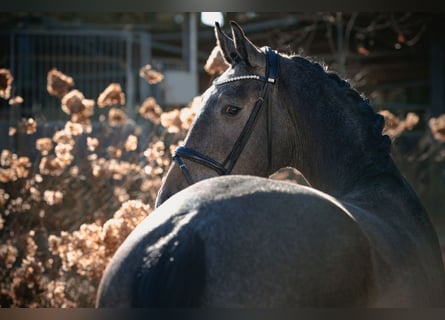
(73, 128)
(26, 282)
(8, 254)
(115, 230)
(44, 145)
(114, 152)
(155, 151)
(121, 194)
(4, 196)
(117, 117)
(411, 120)
(15, 101)
(51, 165)
(6, 158)
(7, 175)
(5, 83)
(151, 110)
(172, 121)
(12, 131)
(74, 171)
(63, 152)
(215, 64)
(35, 194)
(29, 126)
(111, 96)
(187, 114)
(131, 144)
(72, 102)
(150, 75)
(391, 121)
(55, 292)
(63, 137)
(18, 168)
(437, 126)
(395, 126)
(58, 84)
(52, 197)
(92, 143)
(75, 105)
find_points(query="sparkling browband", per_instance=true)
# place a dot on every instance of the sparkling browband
(246, 77)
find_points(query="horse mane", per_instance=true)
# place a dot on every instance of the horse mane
(372, 123)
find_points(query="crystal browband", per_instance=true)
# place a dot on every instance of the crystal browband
(245, 77)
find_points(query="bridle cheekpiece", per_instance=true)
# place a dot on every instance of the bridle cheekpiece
(227, 165)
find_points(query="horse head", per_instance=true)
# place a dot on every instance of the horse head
(233, 132)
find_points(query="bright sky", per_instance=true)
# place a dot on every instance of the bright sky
(209, 18)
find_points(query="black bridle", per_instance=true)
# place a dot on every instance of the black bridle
(227, 165)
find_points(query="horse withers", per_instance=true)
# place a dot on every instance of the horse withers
(223, 235)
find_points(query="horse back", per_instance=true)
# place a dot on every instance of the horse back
(242, 244)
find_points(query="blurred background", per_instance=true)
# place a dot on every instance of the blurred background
(395, 59)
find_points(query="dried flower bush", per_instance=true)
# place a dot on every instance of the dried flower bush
(63, 215)
(13, 167)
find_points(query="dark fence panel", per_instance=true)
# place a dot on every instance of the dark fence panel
(93, 58)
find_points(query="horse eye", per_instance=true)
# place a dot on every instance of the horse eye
(231, 110)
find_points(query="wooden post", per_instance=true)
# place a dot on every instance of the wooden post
(145, 58)
(129, 75)
(190, 42)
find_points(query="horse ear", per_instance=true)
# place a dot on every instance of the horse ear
(226, 44)
(246, 49)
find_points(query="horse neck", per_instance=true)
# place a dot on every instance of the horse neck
(339, 146)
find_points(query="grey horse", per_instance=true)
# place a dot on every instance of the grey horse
(224, 235)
